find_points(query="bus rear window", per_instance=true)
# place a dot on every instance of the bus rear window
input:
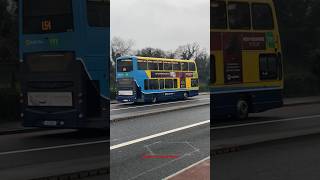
(49, 62)
(98, 13)
(47, 16)
(239, 15)
(218, 17)
(124, 65)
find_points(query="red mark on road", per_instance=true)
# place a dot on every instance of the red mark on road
(160, 157)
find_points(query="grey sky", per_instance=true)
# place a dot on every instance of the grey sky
(164, 24)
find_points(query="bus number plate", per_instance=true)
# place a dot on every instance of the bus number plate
(50, 123)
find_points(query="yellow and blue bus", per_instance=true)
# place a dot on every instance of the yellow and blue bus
(146, 79)
(246, 58)
(64, 54)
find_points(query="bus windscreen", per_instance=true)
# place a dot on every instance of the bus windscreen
(47, 16)
(124, 65)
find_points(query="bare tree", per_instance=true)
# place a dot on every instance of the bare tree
(188, 51)
(121, 47)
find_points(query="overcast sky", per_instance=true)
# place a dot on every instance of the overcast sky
(164, 24)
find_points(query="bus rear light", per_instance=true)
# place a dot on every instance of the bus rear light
(80, 116)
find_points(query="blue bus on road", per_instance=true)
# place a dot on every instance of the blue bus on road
(147, 79)
(64, 55)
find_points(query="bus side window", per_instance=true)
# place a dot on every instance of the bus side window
(184, 66)
(142, 65)
(194, 82)
(262, 17)
(176, 66)
(175, 83)
(98, 13)
(160, 65)
(168, 83)
(192, 67)
(167, 66)
(153, 65)
(154, 84)
(218, 15)
(161, 82)
(239, 15)
(146, 84)
(269, 67)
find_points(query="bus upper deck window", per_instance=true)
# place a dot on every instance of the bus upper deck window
(184, 66)
(98, 13)
(160, 65)
(262, 17)
(167, 66)
(153, 65)
(192, 67)
(142, 65)
(124, 65)
(218, 15)
(176, 66)
(239, 15)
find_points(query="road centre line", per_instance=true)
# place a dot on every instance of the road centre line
(53, 147)
(265, 122)
(187, 168)
(150, 105)
(158, 135)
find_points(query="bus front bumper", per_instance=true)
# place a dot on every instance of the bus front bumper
(62, 119)
(125, 99)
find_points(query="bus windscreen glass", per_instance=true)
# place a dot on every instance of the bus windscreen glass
(47, 16)
(49, 62)
(124, 65)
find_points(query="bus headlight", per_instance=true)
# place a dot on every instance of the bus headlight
(22, 115)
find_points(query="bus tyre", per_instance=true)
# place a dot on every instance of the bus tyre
(185, 95)
(242, 109)
(154, 99)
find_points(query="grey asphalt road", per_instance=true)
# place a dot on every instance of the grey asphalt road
(286, 121)
(294, 159)
(53, 152)
(290, 147)
(46, 152)
(50, 153)
(121, 108)
(188, 146)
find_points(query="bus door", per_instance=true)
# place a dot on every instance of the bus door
(183, 83)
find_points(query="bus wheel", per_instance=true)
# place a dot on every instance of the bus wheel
(242, 109)
(154, 99)
(185, 95)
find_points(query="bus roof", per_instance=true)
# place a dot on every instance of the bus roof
(156, 59)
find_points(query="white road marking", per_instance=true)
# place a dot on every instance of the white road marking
(158, 135)
(265, 122)
(151, 105)
(187, 168)
(52, 147)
